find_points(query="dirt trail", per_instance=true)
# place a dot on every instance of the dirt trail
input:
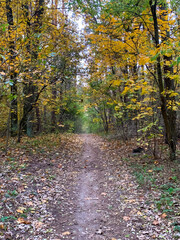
(109, 203)
(88, 215)
(81, 190)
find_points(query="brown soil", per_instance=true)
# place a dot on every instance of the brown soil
(108, 204)
(82, 190)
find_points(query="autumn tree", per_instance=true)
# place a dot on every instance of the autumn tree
(46, 56)
(139, 42)
(12, 72)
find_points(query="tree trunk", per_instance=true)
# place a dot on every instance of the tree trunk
(30, 124)
(169, 86)
(30, 89)
(168, 113)
(105, 120)
(13, 74)
(53, 113)
(39, 125)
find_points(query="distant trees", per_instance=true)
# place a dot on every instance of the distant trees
(39, 55)
(132, 73)
(135, 50)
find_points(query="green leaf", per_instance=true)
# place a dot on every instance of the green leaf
(177, 228)
(155, 57)
(178, 60)
(6, 218)
(4, 26)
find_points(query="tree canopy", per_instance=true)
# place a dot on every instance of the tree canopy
(119, 75)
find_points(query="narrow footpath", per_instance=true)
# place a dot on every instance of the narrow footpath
(79, 189)
(88, 214)
(108, 204)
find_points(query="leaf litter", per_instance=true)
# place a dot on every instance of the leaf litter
(43, 192)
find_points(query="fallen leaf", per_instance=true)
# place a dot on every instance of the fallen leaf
(20, 209)
(155, 222)
(38, 224)
(22, 220)
(29, 203)
(141, 198)
(164, 215)
(103, 194)
(130, 200)
(2, 226)
(126, 218)
(150, 170)
(66, 233)
(139, 213)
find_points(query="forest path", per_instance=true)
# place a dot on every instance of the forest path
(89, 198)
(95, 195)
(106, 202)
(76, 187)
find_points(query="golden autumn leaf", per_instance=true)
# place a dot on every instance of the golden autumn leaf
(66, 233)
(23, 220)
(20, 209)
(2, 226)
(164, 215)
(116, 82)
(139, 213)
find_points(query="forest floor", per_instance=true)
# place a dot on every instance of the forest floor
(86, 187)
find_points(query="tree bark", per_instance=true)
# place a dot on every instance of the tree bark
(13, 74)
(164, 84)
(39, 125)
(53, 113)
(30, 89)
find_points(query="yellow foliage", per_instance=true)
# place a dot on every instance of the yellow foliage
(116, 82)
(126, 89)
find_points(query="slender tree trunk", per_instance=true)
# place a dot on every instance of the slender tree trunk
(39, 125)
(8, 131)
(30, 124)
(44, 118)
(54, 91)
(106, 124)
(168, 113)
(30, 89)
(53, 113)
(13, 74)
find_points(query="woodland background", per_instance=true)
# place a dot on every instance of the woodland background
(118, 74)
(107, 67)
